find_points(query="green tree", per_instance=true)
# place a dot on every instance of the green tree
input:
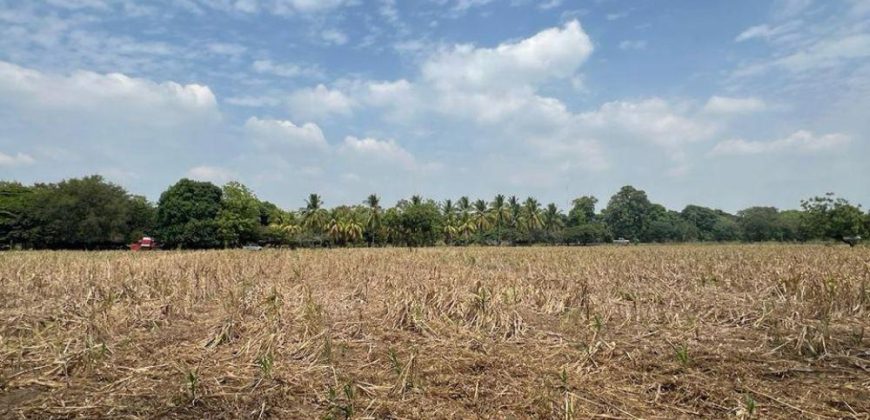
(759, 224)
(832, 217)
(531, 214)
(628, 213)
(703, 219)
(83, 213)
(582, 210)
(239, 217)
(418, 223)
(499, 212)
(373, 219)
(315, 217)
(187, 215)
(552, 221)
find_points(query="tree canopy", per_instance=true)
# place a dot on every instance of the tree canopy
(91, 213)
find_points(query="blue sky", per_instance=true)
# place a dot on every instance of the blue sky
(720, 103)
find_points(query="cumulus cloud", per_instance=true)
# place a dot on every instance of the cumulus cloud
(800, 142)
(19, 159)
(653, 120)
(87, 122)
(555, 53)
(285, 133)
(377, 151)
(319, 102)
(727, 105)
(114, 93)
(215, 174)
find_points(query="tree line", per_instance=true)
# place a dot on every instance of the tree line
(91, 213)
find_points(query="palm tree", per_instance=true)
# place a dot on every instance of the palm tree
(515, 211)
(344, 231)
(552, 218)
(531, 214)
(479, 216)
(448, 210)
(499, 212)
(416, 200)
(373, 222)
(314, 216)
(466, 224)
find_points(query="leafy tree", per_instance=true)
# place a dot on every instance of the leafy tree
(142, 218)
(832, 217)
(582, 210)
(239, 217)
(418, 223)
(628, 213)
(668, 226)
(759, 224)
(725, 229)
(82, 213)
(187, 215)
(704, 220)
(16, 208)
(587, 233)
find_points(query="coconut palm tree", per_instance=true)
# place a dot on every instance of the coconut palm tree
(499, 213)
(344, 231)
(515, 210)
(450, 227)
(314, 216)
(551, 220)
(465, 223)
(531, 214)
(373, 221)
(480, 216)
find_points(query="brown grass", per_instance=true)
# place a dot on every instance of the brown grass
(634, 332)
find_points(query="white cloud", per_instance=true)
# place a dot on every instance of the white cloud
(652, 120)
(319, 102)
(225, 48)
(334, 36)
(115, 93)
(371, 150)
(463, 5)
(96, 121)
(550, 4)
(801, 142)
(555, 53)
(277, 132)
(632, 45)
(725, 105)
(213, 174)
(283, 69)
(19, 159)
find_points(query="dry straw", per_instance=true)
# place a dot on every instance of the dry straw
(639, 332)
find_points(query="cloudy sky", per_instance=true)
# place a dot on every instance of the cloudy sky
(721, 103)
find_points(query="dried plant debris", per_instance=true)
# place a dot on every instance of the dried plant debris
(543, 332)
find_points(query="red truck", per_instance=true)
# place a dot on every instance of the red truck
(144, 244)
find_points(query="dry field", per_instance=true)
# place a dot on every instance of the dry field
(633, 332)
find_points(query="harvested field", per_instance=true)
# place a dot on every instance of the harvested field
(612, 332)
